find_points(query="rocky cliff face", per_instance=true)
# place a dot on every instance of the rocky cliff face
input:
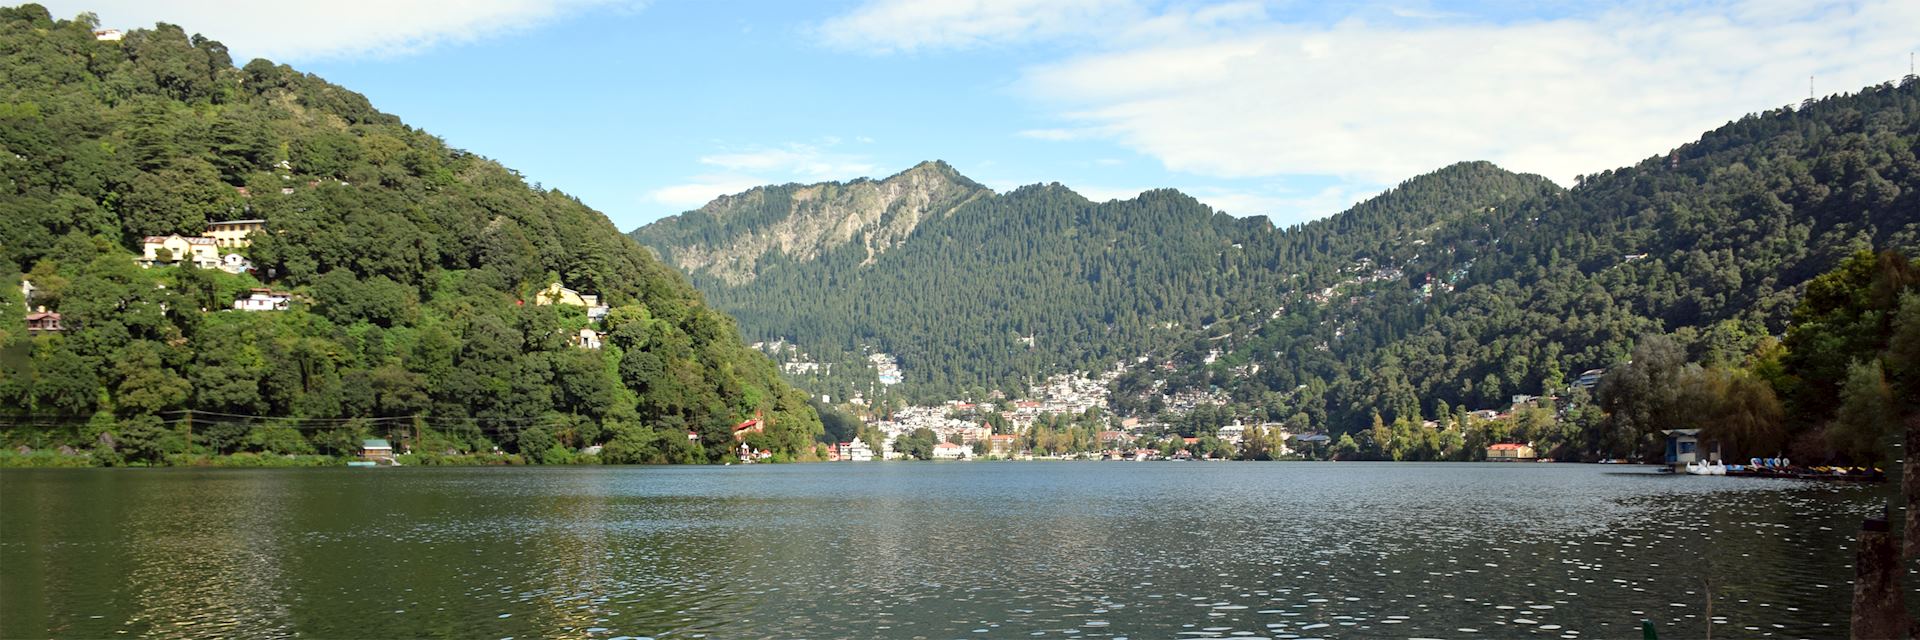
(730, 237)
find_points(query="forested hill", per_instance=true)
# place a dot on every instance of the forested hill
(1461, 288)
(413, 268)
(1713, 243)
(1011, 287)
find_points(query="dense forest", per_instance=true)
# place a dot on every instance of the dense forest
(1458, 289)
(1012, 287)
(1711, 247)
(413, 269)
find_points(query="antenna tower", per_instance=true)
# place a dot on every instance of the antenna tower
(1911, 78)
(1809, 101)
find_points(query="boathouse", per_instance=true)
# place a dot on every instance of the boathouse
(376, 449)
(1683, 446)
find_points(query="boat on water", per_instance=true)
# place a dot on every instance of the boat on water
(1705, 468)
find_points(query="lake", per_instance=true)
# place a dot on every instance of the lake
(936, 550)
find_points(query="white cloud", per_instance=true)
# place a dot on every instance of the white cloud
(1055, 135)
(1284, 208)
(700, 190)
(1103, 194)
(794, 161)
(1378, 103)
(756, 166)
(300, 31)
(890, 26)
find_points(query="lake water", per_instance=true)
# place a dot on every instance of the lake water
(1000, 550)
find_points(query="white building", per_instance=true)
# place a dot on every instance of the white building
(855, 451)
(235, 263)
(198, 251)
(951, 451)
(263, 300)
(1234, 433)
(588, 339)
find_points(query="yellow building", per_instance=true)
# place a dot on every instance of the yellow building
(556, 294)
(199, 251)
(1510, 451)
(233, 233)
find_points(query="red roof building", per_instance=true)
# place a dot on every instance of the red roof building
(43, 321)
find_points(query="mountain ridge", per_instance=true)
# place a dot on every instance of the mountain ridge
(1116, 247)
(800, 221)
(1464, 286)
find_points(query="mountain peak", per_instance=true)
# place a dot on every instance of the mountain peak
(731, 236)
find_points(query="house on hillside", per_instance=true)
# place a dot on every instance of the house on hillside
(587, 339)
(235, 263)
(748, 427)
(557, 294)
(1589, 379)
(262, 299)
(199, 251)
(234, 233)
(43, 321)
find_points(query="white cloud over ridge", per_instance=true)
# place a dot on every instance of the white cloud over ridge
(295, 31)
(757, 166)
(1225, 91)
(700, 190)
(1382, 103)
(803, 161)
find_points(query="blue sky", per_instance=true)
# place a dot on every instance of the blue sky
(1293, 110)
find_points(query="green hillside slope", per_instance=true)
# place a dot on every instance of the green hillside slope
(414, 267)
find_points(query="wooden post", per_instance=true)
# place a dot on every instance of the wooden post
(1910, 485)
(1879, 607)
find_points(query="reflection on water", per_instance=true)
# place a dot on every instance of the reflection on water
(1064, 550)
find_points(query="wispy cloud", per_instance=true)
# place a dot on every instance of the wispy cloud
(297, 31)
(1379, 103)
(1397, 89)
(1055, 135)
(805, 161)
(895, 26)
(699, 190)
(1103, 194)
(749, 167)
(1281, 206)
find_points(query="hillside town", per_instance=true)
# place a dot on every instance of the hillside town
(1070, 416)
